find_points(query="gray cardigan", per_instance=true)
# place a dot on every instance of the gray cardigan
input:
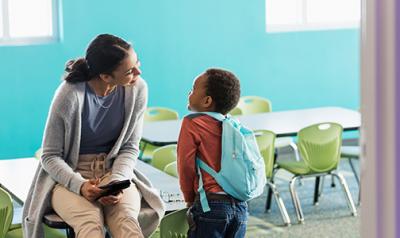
(61, 142)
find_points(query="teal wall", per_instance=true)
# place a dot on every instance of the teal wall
(176, 40)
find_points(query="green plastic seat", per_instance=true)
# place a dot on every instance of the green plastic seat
(8, 230)
(249, 105)
(236, 111)
(171, 169)
(265, 141)
(164, 156)
(160, 114)
(319, 147)
(153, 114)
(174, 225)
(254, 104)
(6, 212)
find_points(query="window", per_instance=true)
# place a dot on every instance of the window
(28, 21)
(298, 15)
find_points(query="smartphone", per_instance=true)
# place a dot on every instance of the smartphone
(114, 188)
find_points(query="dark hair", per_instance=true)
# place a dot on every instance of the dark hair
(224, 88)
(103, 55)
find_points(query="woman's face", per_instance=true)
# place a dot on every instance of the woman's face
(128, 71)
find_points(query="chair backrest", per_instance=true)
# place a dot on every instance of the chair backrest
(171, 169)
(236, 111)
(164, 156)
(160, 114)
(266, 144)
(174, 225)
(319, 146)
(6, 212)
(254, 104)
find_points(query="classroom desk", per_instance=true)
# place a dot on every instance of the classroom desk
(282, 123)
(16, 176)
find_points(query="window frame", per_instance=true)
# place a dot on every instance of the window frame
(7, 40)
(306, 26)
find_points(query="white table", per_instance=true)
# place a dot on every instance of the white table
(16, 176)
(166, 184)
(282, 123)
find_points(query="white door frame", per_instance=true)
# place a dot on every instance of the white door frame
(378, 108)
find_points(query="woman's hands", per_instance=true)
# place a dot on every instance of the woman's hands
(89, 189)
(111, 199)
(91, 192)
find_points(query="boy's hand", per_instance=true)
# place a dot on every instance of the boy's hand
(189, 204)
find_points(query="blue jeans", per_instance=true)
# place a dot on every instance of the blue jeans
(226, 219)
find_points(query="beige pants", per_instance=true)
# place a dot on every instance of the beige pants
(88, 218)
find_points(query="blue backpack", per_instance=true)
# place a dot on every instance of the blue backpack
(242, 173)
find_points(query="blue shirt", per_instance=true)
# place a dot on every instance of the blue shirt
(102, 120)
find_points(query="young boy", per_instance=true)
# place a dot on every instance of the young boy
(215, 90)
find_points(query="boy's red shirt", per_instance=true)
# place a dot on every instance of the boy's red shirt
(200, 134)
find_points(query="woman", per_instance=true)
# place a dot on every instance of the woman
(91, 139)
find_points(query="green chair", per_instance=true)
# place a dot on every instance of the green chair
(153, 114)
(249, 105)
(174, 225)
(319, 147)
(164, 156)
(236, 112)
(160, 114)
(6, 213)
(265, 140)
(171, 169)
(254, 104)
(8, 230)
(351, 153)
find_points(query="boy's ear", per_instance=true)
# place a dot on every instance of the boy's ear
(208, 101)
(106, 78)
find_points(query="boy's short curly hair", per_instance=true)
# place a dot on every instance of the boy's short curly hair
(224, 89)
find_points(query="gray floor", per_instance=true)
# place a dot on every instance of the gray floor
(330, 218)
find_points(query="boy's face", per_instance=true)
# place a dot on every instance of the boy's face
(198, 99)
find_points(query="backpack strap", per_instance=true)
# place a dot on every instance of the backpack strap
(202, 192)
(215, 115)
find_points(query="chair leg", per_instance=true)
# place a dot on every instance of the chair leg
(295, 150)
(281, 205)
(296, 201)
(300, 182)
(269, 198)
(346, 190)
(269, 195)
(316, 189)
(142, 150)
(321, 186)
(70, 232)
(354, 171)
(333, 182)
